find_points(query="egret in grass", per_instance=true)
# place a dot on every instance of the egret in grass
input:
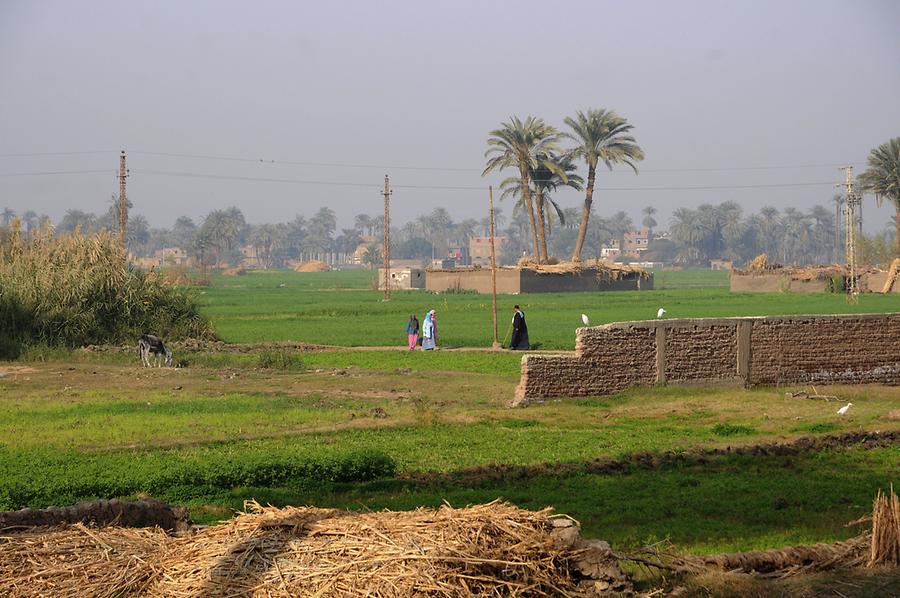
(844, 409)
(585, 319)
(660, 313)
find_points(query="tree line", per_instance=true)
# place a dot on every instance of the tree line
(537, 226)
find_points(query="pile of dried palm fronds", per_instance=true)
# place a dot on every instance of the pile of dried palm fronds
(761, 263)
(881, 546)
(80, 561)
(492, 549)
(885, 546)
(602, 269)
(893, 274)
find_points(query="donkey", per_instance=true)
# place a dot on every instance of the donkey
(149, 343)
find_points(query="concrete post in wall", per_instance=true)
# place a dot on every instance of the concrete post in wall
(660, 354)
(744, 329)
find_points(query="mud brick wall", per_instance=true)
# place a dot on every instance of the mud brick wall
(744, 351)
(847, 349)
(701, 352)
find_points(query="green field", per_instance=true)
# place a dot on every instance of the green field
(363, 438)
(362, 426)
(339, 308)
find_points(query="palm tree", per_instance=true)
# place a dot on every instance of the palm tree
(838, 200)
(30, 218)
(553, 172)
(600, 135)
(8, 214)
(363, 223)
(649, 221)
(372, 256)
(883, 179)
(523, 145)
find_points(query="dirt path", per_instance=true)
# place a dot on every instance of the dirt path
(221, 346)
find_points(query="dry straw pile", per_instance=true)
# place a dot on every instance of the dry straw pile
(884, 548)
(602, 269)
(485, 550)
(312, 266)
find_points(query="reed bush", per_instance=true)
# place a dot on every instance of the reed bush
(75, 290)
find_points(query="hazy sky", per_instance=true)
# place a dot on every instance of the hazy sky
(712, 88)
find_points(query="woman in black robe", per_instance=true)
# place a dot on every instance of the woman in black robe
(519, 341)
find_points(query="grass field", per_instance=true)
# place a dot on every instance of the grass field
(361, 438)
(363, 427)
(338, 308)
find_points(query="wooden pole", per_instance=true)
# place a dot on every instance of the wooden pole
(386, 251)
(853, 201)
(496, 343)
(123, 217)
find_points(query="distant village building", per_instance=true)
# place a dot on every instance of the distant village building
(249, 258)
(144, 263)
(609, 251)
(480, 249)
(721, 264)
(459, 254)
(636, 242)
(172, 256)
(403, 278)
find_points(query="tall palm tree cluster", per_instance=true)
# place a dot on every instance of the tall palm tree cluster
(541, 164)
(883, 179)
(721, 231)
(535, 151)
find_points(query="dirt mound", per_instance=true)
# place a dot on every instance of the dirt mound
(138, 513)
(493, 549)
(234, 271)
(312, 266)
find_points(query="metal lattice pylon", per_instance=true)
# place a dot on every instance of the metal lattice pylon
(853, 200)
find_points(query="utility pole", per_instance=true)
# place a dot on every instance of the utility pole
(853, 200)
(835, 254)
(496, 343)
(386, 252)
(123, 216)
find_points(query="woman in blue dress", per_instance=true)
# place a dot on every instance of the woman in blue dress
(429, 332)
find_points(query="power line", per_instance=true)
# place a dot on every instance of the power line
(38, 154)
(459, 187)
(456, 169)
(406, 167)
(303, 163)
(55, 172)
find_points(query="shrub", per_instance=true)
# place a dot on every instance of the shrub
(731, 430)
(167, 476)
(76, 290)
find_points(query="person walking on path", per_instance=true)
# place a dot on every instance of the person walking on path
(412, 332)
(429, 332)
(519, 340)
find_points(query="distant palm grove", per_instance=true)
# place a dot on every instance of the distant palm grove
(541, 161)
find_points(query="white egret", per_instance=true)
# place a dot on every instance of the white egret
(844, 409)
(660, 313)
(584, 319)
